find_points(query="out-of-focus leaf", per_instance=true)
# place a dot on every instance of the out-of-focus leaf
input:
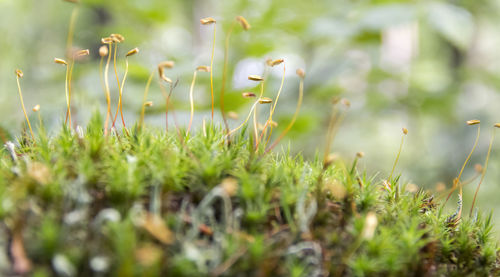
(452, 22)
(384, 16)
(4, 135)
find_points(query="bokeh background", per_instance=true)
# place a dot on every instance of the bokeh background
(425, 65)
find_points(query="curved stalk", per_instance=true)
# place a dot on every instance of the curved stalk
(114, 65)
(246, 120)
(456, 182)
(106, 83)
(191, 101)
(397, 158)
(24, 109)
(119, 107)
(329, 135)
(143, 108)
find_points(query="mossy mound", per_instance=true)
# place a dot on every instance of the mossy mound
(153, 203)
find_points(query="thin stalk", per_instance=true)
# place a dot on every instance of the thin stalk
(224, 75)
(255, 127)
(24, 109)
(456, 182)
(71, 28)
(484, 171)
(397, 158)
(335, 126)
(167, 101)
(191, 101)
(246, 120)
(294, 118)
(256, 132)
(120, 108)
(172, 86)
(100, 73)
(143, 108)
(69, 77)
(329, 136)
(270, 119)
(70, 56)
(464, 183)
(211, 72)
(39, 120)
(66, 90)
(114, 65)
(106, 83)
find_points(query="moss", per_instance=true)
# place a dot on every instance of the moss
(153, 203)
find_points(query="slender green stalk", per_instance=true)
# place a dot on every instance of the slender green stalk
(397, 156)
(166, 95)
(456, 182)
(211, 73)
(39, 120)
(329, 134)
(22, 105)
(71, 58)
(484, 171)
(270, 119)
(224, 75)
(69, 72)
(71, 28)
(294, 118)
(246, 120)
(66, 90)
(143, 107)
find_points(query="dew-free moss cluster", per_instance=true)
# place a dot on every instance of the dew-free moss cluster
(153, 203)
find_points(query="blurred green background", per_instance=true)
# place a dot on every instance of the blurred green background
(425, 65)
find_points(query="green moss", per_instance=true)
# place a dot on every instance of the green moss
(84, 204)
